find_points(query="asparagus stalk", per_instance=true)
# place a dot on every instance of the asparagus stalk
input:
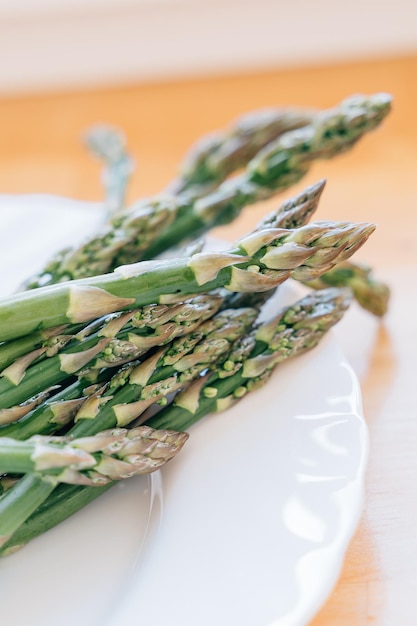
(29, 493)
(295, 329)
(215, 156)
(109, 455)
(135, 234)
(98, 460)
(119, 339)
(371, 294)
(258, 262)
(292, 213)
(109, 145)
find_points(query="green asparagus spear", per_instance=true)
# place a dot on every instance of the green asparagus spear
(292, 213)
(259, 262)
(294, 330)
(93, 461)
(217, 155)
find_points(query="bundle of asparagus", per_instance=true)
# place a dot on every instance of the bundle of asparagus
(75, 350)
(102, 373)
(258, 262)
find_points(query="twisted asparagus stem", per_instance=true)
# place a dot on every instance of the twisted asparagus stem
(215, 156)
(134, 235)
(109, 455)
(292, 213)
(259, 262)
(370, 293)
(115, 339)
(109, 145)
(294, 330)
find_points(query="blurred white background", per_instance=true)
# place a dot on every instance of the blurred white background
(50, 44)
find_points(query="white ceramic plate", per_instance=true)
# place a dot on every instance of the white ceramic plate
(256, 514)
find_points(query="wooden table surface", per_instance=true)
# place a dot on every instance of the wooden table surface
(40, 152)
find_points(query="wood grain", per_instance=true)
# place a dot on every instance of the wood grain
(40, 152)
